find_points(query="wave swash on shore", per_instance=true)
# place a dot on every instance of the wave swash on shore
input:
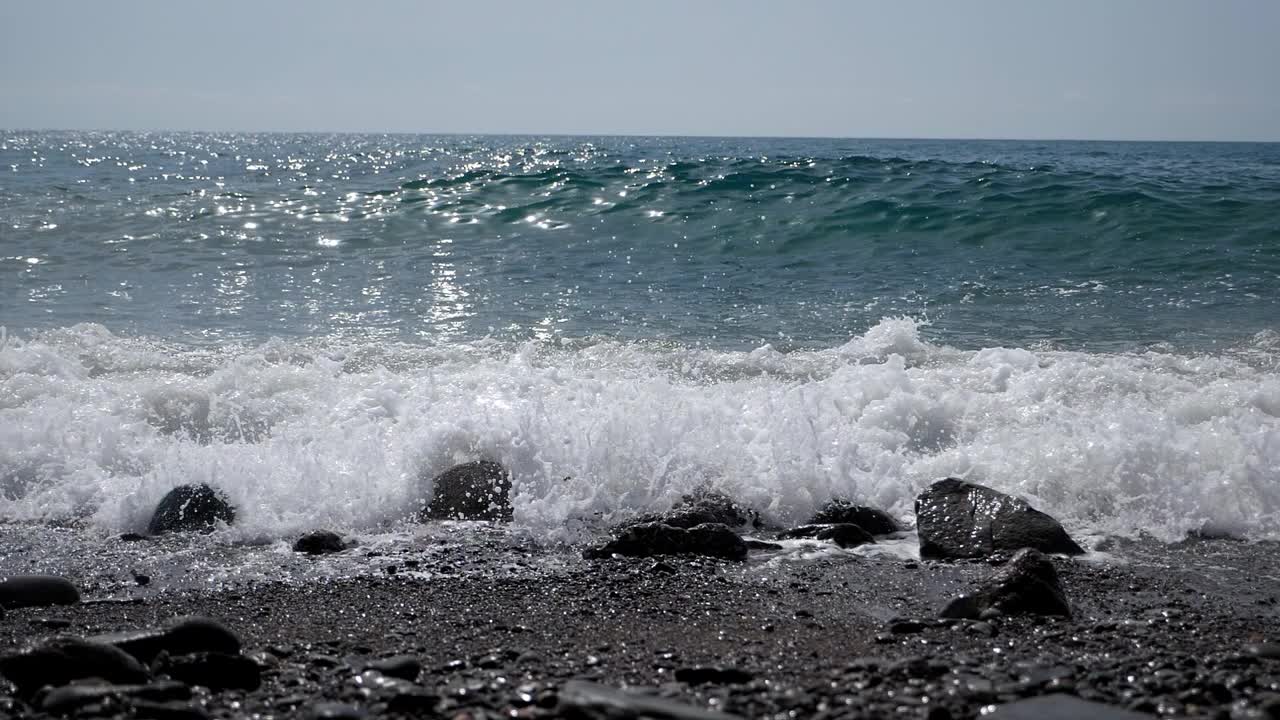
(302, 434)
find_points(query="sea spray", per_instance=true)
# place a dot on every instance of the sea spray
(327, 433)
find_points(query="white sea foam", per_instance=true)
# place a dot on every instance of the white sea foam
(317, 433)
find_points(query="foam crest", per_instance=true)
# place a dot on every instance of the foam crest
(327, 433)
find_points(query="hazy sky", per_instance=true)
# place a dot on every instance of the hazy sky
(1119, 69)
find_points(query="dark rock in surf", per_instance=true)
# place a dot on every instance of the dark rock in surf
(478, 490)
(214, 670)
(959, 519)
(702, 507)
(319, 542)
(876, 522)
(648, 539)
(846, 535)
(60, 661)
(1027, 585)
(762, 545)
(1060, 706)
(184, 636)
(18, 591)
(191, 508)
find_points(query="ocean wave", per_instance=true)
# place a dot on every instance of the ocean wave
(327, 432)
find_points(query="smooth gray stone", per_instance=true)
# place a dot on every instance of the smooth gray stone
(1062, 707)
(959, 519)
(18, 591)
(609, 702)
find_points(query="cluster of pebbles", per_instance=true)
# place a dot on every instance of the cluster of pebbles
(672, 567)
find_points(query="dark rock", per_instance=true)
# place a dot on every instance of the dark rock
(662, 568)
(19, 591)
(191, 508)
(404, 667)
(648, 539)
(319, 542)
(62, 660)
(876, 522)
(845, 535)
(214, 670)
(142, 580)
(1028, 584)
(1061, 707)
(702, 675)
(761, 545)
(701, 507)
(959, 519)
(472, 491)
(184, 636)
(133, 537)
(56, 623)
(579, 699)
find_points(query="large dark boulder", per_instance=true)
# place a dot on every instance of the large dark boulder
(191, 508)
(959, 519)
(478, 490)
(63, 660)
(18, 591)
(1027, 585)
(876, 522)
(653, 538)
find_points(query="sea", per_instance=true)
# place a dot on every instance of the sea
(318, 324)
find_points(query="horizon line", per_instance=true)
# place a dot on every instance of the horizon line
(704, 136)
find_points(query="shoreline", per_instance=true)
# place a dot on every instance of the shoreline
(1178, 630)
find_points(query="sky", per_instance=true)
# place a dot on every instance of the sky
(1044, 69)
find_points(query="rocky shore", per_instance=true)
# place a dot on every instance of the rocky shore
(628, 630)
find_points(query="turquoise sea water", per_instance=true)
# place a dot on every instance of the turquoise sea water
(711, 242)
(318, 323)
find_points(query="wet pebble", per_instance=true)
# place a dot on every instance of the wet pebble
(18, 591)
